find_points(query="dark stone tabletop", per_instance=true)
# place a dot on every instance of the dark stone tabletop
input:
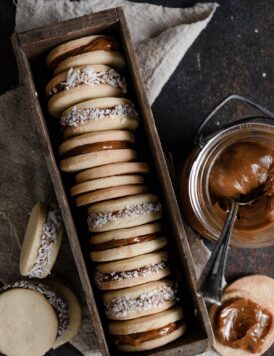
(234, 54)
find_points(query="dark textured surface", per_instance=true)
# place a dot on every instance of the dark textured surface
(233, 55)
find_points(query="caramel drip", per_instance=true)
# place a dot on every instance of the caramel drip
(95, 147)
(123, 242)
(243, 324)
(99, 44)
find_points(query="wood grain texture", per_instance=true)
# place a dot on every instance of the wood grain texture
(30, 48)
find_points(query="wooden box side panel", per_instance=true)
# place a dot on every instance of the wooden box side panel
(37, 114)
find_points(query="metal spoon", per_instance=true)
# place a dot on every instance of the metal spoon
(210, 285)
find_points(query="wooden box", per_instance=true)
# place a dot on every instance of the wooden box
(30, 49)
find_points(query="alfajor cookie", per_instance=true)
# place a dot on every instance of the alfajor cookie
(98, 115)
(244, 323)
(74, 312)
(100, 189)
(112, 169)
(96, 49)
(29, 324)
(83, 83)
(124, 212)
(42, 241)
(126, 243)
(138, 301)
(148, 332)
(96, 149)
(132, 271)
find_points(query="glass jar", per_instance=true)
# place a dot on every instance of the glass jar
(197, 206)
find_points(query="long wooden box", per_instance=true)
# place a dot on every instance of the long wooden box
(30, 49)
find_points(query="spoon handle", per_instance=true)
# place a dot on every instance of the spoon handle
(210, 283)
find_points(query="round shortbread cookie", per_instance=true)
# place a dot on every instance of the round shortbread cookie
(107, 182)
(95, 159)
(112, 169)
(138, 301)
(113, 59)
(34, 261)
(257, 288)
(124, 212)
(74, 312)
(96, 137)
(28, 323)
(61, 99)
(110, 193)
(132, 271)
(146, 324)
(98, 115)
(127, 251)
(80, 45)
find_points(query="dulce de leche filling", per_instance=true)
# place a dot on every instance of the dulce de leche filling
(242, 324)
(98, 44)
(123, 242)
(138, 338)
(138, 272)
(241, 169)
(95, 147)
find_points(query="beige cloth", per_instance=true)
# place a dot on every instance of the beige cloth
(162, 36)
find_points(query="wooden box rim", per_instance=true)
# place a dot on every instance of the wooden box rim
(27, 42)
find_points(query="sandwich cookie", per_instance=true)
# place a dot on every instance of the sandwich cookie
(99, 115)
(97, 49)
(42, 241)
(33, 317)
(126, 243)
(81, 84)
(135, 302)
(107, 188)
(112, 169)
(148, 332)
(124, 212)
(132, 271)
(74, 312)
(244, 323)
(96, 149)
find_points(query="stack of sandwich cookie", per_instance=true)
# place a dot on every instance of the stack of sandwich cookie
(127, 241)
(36, 317)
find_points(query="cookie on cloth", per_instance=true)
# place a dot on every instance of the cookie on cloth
(96, 49)
(132, 271)
(98, 115)
(112, 169)
(126, 243)
(138, 301)
(124, 212)
(42, 241)
(74, 312)
(96, 149)
(107, 188)
(29, 324)
(148, 332)
(83, 83)
(244, 323)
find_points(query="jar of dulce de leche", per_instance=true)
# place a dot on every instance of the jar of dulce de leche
(236, 161)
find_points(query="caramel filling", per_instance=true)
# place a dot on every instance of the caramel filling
(242, 324)
(99, 44)
(123, 242)
(138, 338)
(95, 147)
(243, 168)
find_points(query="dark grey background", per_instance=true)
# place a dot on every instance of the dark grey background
(233, 55)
